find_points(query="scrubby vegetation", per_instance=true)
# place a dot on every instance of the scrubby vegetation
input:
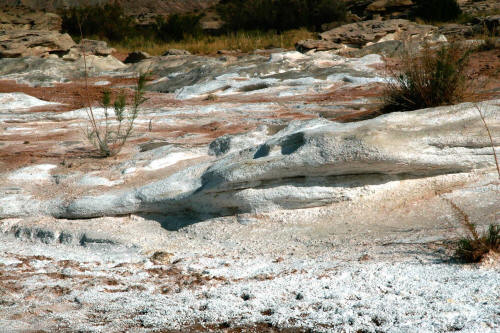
(280, 15)
(428, 79)
(437, 10)
(110, 134)
(249, 25)
(109, 22)
(105, 21)
(177, 27)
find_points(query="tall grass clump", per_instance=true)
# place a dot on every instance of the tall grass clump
(427, 79)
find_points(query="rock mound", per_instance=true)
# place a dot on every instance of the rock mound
(22, 43)
(366, 33)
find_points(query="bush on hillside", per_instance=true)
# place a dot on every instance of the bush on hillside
(437, 10)
(280, 15)
(176, 27)
(110, 22)
(429, 79)
(105, 21)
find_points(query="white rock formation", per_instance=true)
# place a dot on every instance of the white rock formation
(309, 164)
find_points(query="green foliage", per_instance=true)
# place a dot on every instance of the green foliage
(177, 27)
(280, 15)
(437, 10)
(109, 22)
(429, 79)
(110, 135)
(105, 21)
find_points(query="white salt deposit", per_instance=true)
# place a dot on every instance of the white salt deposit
(170, 159)
(40, 172)
(14, 101)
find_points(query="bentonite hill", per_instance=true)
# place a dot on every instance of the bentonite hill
(261, 191)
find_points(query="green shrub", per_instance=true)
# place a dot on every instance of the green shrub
(428, 79)
(177, 27)
(109, 22)
(104, 21)
(280, 15)
(437, 10)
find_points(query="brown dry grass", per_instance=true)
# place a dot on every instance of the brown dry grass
(244, 41)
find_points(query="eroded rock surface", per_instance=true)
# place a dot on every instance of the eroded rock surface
(246, 196)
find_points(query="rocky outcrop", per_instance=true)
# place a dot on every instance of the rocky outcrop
(385, 5)
(350, 37)
(22, 43)
(131, 7)
(316, 45)
(361, 33)
(95, 47)
(387, 9)
(23, 19)
(307, 164)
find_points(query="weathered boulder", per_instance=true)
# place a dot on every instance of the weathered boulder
(90, 47)
(372, 31)
(136, 56)
(175, 52)
(388, 48)
(95, 47)
(23, 19)
(22, 43)
(455, 30)
(317, 45)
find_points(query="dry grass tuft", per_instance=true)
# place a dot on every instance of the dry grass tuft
(476, 245)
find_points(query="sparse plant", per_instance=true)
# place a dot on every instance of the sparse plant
(110, 134)
(476, 245)
(427, 79)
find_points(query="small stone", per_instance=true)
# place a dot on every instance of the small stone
(161, 258)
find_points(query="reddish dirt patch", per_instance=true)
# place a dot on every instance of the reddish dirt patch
(73, 95)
